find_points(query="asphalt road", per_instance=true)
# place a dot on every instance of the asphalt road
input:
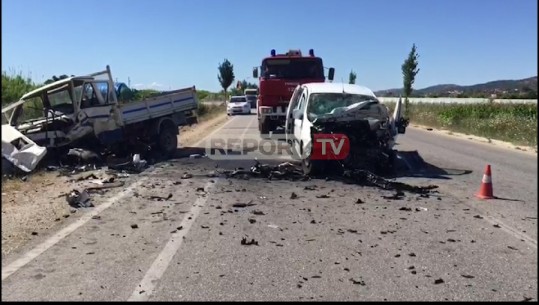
(448, 246)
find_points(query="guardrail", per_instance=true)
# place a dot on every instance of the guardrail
(439, 100)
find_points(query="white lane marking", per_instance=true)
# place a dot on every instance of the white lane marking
(146, 287)
(512, 231)
(39, 249)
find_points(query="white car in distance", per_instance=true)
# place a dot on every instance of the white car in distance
(238, 105)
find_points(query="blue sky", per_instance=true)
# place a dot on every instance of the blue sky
(179, 43)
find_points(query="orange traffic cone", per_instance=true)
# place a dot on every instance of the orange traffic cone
(485, 192)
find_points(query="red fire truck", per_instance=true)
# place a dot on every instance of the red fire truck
(279, 76)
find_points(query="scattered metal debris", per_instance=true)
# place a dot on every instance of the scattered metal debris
(186, 176)
(134, 226)
(243, 205)
(248, 243)
(289, 171)
(397, 196)
(78, 199)
(160, 198)
(438, 281)
(360, 282)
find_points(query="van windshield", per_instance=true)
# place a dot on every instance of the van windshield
(325, 103)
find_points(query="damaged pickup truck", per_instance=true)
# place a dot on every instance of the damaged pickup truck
(351, 110)
(89, 112)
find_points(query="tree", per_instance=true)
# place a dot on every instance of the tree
(409, 72)
(226, 75)
(54, 78)
(352, 77)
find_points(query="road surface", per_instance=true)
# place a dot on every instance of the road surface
(449, 246)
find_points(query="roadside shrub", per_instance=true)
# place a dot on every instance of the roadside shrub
(515, 123)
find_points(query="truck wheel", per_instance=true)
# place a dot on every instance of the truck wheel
(264, 128)
(168, 140)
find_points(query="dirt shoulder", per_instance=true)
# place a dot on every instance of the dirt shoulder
(38, 205)
(190, 135)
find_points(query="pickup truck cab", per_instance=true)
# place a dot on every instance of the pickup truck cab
(347, 109)
(85, 110)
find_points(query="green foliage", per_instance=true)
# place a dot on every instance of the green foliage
(241, 86)
(352, 77)
(226, 75)
(409, 72)
(206, 110)
(515, 123)
(54, 78)
(14, 87)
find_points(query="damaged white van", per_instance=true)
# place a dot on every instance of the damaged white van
(352, 110)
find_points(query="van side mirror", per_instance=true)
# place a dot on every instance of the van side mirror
(331, 73)
(255, 72)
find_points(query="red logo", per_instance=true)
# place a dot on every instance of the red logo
(330, 147)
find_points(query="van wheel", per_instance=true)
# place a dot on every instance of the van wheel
(312, 167)
(168, 140)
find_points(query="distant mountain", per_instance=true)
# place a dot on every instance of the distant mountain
(522, 88)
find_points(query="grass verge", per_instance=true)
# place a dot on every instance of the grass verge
(513, 123)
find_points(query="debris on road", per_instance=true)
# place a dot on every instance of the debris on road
(160, 198)
(322, 196)
(258, 212)
(134, 226)
(289, 171)
(397, 196)
(356, 282)
(243, 205)
(359, 201)
(248, 243)
(293, 196)
(78, 199)
(405, 209)
(252, 220)
(438, 281)
(186, 176)
(84, 156)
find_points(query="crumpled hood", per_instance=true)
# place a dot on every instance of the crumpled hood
(20, 150)
(372, 111)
